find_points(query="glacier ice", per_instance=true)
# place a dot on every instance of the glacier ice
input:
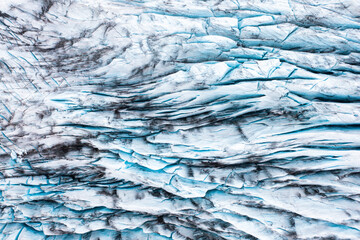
(217, 119)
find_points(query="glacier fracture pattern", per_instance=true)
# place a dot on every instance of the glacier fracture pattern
(192, 119)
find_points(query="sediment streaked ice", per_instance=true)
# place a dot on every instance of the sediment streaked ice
(180, 119)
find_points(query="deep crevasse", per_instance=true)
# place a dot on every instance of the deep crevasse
(180, 119)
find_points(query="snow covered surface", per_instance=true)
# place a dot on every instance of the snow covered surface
(192, 119)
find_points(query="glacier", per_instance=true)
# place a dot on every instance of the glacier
(192, 119)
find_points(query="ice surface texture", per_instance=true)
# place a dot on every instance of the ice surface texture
(191, 119)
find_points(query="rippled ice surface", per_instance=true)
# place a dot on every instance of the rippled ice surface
(234, 119)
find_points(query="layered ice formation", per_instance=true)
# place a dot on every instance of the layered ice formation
(169, 119)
